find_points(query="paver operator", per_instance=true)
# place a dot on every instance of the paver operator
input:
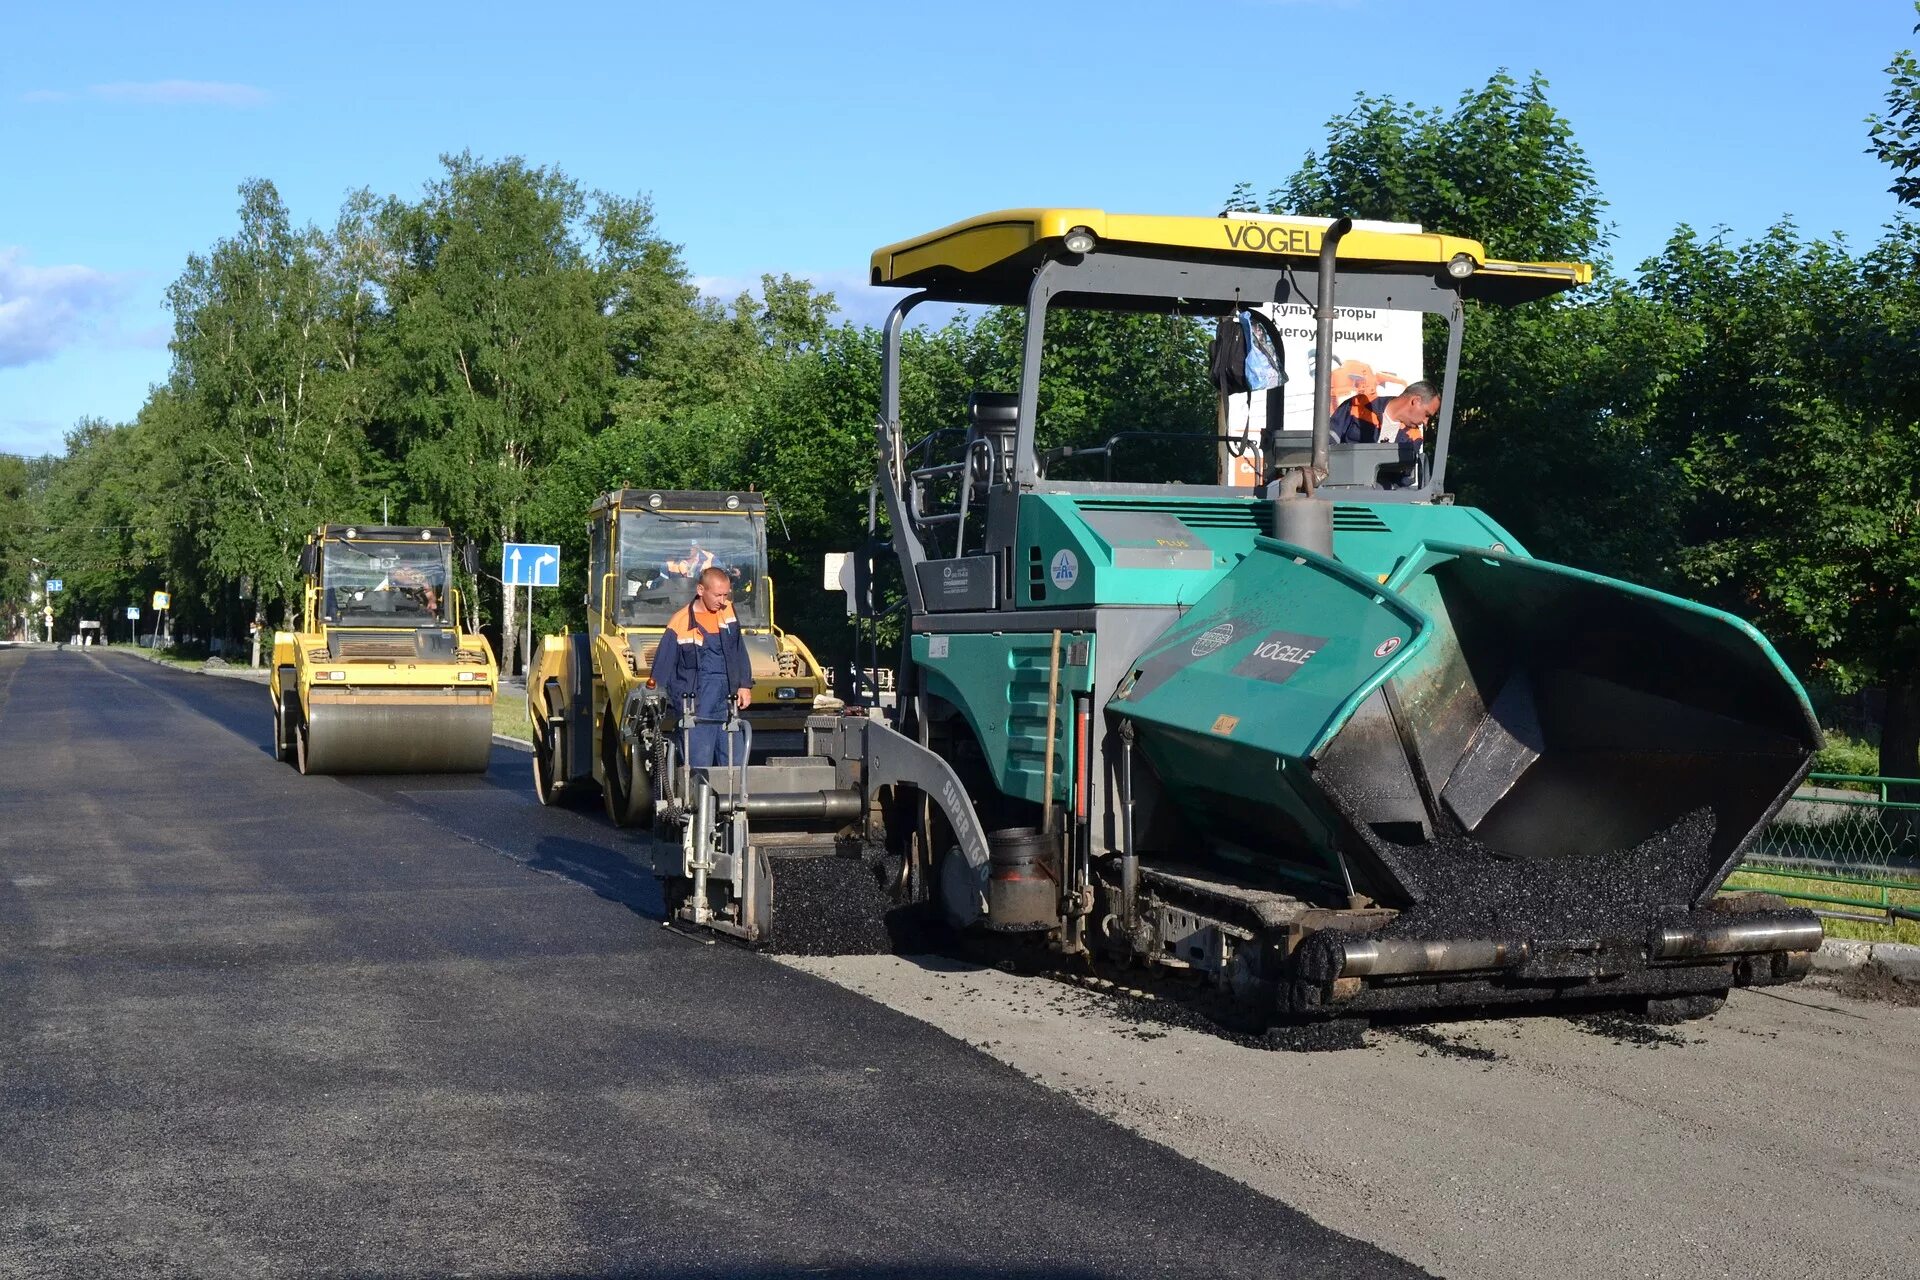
(702, 655)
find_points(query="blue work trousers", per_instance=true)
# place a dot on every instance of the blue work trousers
(706, 743)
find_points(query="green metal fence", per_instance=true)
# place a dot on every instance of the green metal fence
(1832, 820)
(1846, 848)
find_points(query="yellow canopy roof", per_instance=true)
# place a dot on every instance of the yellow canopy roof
(990, 258)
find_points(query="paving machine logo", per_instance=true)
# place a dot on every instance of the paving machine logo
(1211, 639)
(1065, 569)
(1279, 656)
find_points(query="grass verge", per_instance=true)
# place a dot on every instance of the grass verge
(510, 714)
(1894, 931)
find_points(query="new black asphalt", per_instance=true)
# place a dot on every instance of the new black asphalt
(258, 1024)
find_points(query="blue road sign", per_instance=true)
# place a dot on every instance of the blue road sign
(133, 613)
(530, 564)
(55, 584)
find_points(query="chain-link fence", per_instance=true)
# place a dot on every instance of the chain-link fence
(1845, 848)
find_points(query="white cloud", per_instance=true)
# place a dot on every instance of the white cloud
(161, 93)
(43, 309)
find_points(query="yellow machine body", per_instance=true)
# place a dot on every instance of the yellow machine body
(646, 550)
(381, 677)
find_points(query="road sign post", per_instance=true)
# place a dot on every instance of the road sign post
(529, 565)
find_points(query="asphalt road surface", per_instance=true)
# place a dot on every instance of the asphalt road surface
(253, 1023)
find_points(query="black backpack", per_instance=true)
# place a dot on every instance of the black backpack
(1242, 336)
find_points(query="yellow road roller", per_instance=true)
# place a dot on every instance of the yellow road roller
(646, 550)
(381, 678)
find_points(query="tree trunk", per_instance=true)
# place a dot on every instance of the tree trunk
(509, 628)
(1900, 731)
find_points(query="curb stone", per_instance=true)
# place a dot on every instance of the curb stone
(1844, 955)
(259, 675)
(1901, 959)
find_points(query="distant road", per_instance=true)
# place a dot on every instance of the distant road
(258, 1024)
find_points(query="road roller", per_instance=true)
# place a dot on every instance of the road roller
(1300, 729)
(646, 551)
(382, 677)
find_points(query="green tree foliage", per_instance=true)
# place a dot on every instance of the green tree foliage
(103, 525)
(1501, 166)
(1554, 400)
(518, 309)
(499, 357)
(270, 398)
(1800, 493)
(1895, 133)
(15, 513)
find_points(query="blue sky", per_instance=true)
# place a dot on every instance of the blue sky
(795, 137)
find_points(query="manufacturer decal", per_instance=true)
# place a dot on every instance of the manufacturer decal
(1387, 646)
(1212, 638)
(1270, 238)
(938, 646)
(1279, 656)
(1065, 569)
(1225, 725)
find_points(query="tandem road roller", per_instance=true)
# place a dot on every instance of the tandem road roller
(381, 678)
(646, 551)
(1310, 733)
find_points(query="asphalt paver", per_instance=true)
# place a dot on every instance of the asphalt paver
(254, 1023)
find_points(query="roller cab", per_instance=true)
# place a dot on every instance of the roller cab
(382, 677)
(646, 550)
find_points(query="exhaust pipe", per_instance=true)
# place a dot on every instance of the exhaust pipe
(1323, 347)
(1300, 516)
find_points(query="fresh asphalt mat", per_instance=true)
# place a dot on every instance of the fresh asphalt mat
(253, 1023)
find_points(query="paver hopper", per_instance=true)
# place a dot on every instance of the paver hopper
(382, 677)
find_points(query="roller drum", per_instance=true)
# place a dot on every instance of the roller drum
(372, 734)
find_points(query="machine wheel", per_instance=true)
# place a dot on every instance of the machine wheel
(300, 745)
(282, 746)
(629, 795)
(544, 784)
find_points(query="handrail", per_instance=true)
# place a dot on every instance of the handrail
(964, 467)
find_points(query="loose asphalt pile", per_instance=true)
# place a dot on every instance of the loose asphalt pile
(1468, 890)
(828, 906)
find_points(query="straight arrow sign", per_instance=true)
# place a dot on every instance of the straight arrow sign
(530, 564)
